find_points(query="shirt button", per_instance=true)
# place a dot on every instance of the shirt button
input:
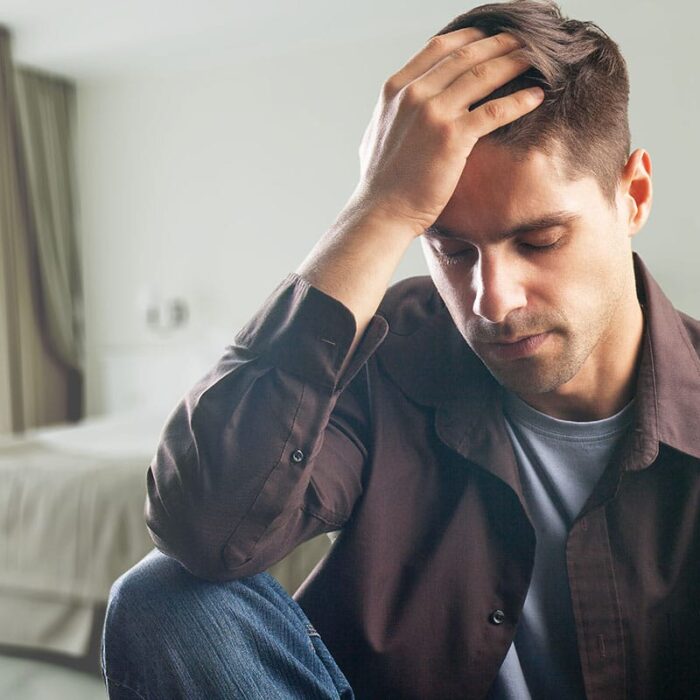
(297, 456)
(497, 617)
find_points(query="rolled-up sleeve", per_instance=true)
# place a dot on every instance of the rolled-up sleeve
(268, 449)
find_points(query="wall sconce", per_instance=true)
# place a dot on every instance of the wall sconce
(163, 315)
(168, 315)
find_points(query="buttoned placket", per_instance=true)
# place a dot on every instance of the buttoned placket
(478, 434)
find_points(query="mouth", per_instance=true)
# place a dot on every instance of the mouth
(518, 347)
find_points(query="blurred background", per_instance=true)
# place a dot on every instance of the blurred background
(163, 165)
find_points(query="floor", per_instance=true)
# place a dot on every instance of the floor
(41, 675)
(24, 679)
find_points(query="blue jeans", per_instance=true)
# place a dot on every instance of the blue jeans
(171, 635)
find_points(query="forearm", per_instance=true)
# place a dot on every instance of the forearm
(355, 260)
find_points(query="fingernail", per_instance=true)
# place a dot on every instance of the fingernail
(537, 92)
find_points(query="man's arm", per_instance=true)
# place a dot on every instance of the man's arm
(269, 448)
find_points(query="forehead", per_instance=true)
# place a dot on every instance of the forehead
(499, 188)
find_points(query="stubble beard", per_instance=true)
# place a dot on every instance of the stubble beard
(554, 366)
(540, 375)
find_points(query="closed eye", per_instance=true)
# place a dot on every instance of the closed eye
(531, 247)
(526, 248)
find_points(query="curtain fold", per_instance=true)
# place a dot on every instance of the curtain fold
(44, 110)
(40, 294)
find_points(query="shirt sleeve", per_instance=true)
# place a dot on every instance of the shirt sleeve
(268, 449)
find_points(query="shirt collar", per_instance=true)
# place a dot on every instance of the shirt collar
(668, 381)
(427, 357)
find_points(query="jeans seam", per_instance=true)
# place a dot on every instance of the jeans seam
(109, 679)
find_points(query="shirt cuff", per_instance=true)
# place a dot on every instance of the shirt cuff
(308, 333)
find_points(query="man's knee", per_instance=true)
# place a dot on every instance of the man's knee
(158, 595)
(170, 634)
(162, 624)
(145, 593)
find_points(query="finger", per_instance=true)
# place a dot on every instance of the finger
(503, 110)
(481, 80)
(464, 58)
(434, 51)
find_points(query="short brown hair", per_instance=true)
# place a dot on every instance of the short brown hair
(586, 86)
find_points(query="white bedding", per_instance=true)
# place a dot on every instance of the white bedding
(127, 434)
(71, 521)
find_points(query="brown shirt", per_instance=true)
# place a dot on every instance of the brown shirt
(408, 455)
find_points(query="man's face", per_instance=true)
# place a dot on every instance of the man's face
(559, 287)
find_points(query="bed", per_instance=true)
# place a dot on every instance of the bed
(71, 499)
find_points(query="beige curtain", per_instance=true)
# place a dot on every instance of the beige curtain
(41, 297)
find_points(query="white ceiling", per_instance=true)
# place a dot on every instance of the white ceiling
(84, 39)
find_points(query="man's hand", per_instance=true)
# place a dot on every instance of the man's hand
(421, 133)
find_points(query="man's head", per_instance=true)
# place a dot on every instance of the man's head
(569, 279)
(584, 76)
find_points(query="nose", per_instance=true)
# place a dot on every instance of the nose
(497, 287)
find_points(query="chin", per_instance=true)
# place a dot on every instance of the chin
(524, 377)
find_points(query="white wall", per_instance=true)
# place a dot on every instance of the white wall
(214, 184)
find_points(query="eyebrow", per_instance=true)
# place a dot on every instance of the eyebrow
(557, 218)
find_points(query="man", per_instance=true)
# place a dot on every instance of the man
(508, 448)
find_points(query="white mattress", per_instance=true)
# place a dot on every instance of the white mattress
(128, 434)
(73, 499)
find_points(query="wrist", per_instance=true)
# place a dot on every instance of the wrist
(362, 212)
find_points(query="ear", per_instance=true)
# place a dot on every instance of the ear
(634, 194)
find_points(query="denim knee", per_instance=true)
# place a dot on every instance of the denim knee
(168, 634)
(164, 627)
(158, 589)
